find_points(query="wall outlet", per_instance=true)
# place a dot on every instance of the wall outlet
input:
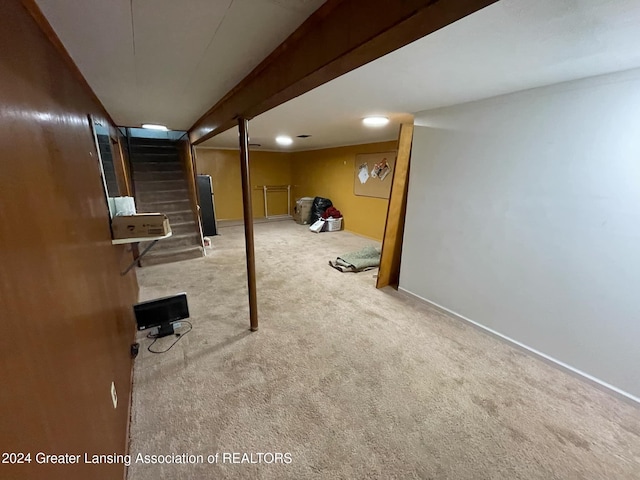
(114, 395)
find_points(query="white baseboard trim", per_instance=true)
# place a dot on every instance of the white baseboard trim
(574, 371)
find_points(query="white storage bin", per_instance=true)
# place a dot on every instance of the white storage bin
(333, 224)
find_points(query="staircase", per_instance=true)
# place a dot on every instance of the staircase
(160, 185)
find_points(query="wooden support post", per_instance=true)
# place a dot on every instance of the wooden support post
(389, 272)
(243, 125)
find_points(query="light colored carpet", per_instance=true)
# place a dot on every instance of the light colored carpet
(355, 382)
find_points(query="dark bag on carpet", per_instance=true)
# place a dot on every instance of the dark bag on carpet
(319, 206)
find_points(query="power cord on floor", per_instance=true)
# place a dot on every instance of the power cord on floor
(179, 337)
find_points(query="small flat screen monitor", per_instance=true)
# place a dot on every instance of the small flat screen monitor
(161, 313)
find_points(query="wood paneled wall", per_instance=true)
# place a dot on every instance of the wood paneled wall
(65, 311)
(267, 168)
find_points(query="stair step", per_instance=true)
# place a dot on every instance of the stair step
(155, 165)
(165, 206)
(139, 150)
(153, 185)
(180, 216)
(150, 196)
(171, 255)
(156, 176)
(136, 141)
(179, 228)
(159, 156)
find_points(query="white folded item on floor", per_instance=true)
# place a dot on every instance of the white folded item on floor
(317, 226)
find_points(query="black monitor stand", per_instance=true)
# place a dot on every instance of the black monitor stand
(165, 330)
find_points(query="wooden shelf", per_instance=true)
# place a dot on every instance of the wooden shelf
(121, 241)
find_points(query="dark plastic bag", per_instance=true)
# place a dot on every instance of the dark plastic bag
(318, 207)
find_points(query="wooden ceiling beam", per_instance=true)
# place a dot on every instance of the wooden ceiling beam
(340, 36)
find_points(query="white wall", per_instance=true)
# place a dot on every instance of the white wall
(524, 216)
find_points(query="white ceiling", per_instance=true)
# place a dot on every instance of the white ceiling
(185, 59)
(509, 46)
(168, 61)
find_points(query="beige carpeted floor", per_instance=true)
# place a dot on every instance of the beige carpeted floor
(354, 382)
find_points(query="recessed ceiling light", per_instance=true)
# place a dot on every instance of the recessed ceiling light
(284, 140)
(375, 121)
(153, 126)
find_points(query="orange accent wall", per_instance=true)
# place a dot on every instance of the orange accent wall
(266, 168)
(65, 310)
(326, 173)
(329, 173)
